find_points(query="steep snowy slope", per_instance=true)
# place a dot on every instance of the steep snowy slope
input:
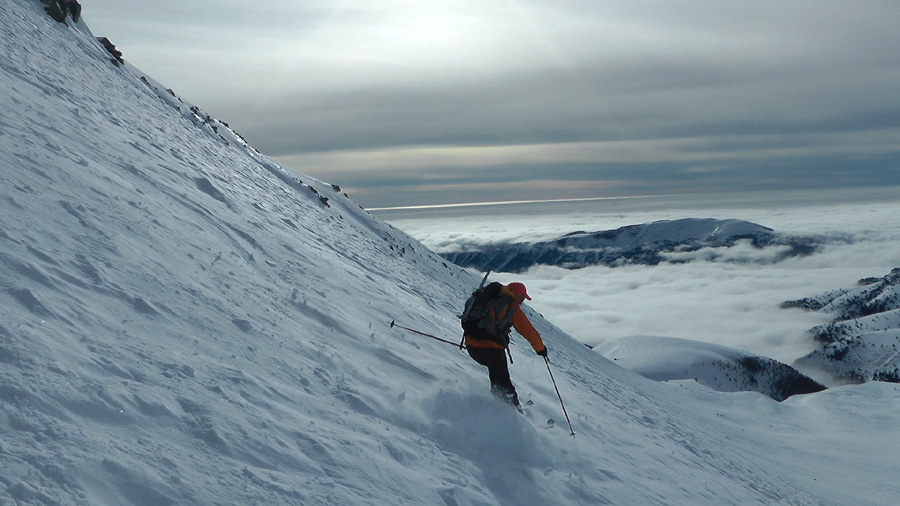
(182, 321)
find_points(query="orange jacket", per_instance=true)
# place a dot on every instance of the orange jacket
(519, 322)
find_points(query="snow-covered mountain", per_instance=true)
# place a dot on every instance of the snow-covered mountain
(648, 244)
(862, 343)
(718, 367)
(183, 321)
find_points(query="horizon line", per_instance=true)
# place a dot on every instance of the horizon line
(507, 202)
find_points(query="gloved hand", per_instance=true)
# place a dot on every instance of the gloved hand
(543, 352)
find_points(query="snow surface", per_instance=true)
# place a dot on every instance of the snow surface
(719, 367)
(182, 321)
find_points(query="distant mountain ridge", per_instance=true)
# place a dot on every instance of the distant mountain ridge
(646, 244)
(862, 343)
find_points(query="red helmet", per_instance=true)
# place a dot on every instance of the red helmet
(518, 289)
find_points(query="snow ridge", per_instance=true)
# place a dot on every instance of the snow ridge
(718, 367)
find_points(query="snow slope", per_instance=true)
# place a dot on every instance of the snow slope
(182, 321)
(719, 367)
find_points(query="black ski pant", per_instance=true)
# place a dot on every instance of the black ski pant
(498, 370)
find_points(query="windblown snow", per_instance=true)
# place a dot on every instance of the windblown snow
(183, 321)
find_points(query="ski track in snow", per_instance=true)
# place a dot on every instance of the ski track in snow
(185, 322)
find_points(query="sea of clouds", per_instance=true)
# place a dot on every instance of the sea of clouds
(729, 296)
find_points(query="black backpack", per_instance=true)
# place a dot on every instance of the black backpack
(488, 314)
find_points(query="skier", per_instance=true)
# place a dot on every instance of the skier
(489, 350)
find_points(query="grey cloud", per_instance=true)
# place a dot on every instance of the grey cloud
(649, 98)
(491, 115)
(719, 88)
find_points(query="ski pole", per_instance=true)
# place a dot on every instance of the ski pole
(436, 338)
(547, 360)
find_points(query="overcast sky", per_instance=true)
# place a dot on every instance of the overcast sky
(408, 102)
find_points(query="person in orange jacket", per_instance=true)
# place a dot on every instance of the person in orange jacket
(492, 353)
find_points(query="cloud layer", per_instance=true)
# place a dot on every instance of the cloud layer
(712, 298)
